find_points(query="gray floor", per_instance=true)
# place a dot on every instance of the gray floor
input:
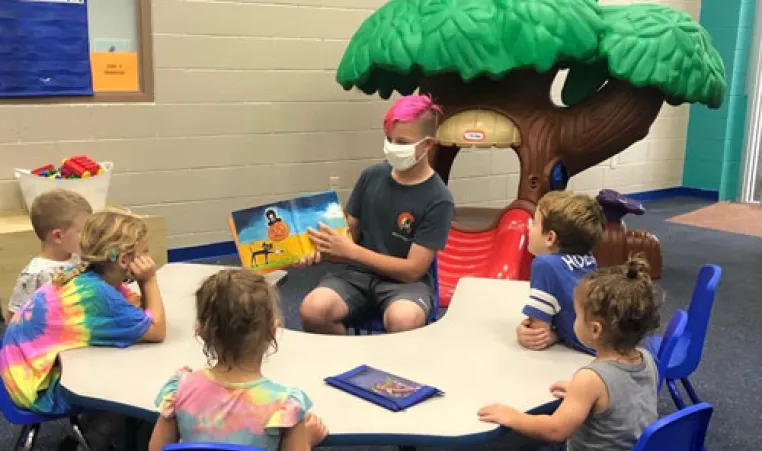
(729, 374)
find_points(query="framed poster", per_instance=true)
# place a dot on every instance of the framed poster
(44, 49)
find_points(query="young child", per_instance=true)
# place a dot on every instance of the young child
(231, 401)
(608, 403)
(57, 217)
(564, 232)
(86, 306)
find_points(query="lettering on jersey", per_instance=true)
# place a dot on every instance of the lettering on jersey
(578, 261)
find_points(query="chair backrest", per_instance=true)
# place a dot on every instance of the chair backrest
(673, 333)
(699, 313)
(209, 447)
(684, 430)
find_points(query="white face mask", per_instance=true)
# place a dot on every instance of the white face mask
(401, 156)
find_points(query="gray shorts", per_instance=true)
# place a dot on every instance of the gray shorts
(367, 294)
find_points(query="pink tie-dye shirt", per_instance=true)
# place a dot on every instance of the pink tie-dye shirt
(247, 413)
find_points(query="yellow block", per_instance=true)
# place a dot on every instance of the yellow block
(19, 244)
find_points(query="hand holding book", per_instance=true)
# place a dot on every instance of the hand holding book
(277, 235)
(331, 242)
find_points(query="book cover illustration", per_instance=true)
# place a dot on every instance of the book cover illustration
(384, 384)
(274, 236)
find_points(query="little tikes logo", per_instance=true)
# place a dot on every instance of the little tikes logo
(474, 135)
(405, 222)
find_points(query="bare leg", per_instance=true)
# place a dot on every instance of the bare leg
(403, 315)
(323, 311)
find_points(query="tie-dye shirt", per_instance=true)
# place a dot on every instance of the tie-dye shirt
(245, 413)
(86, 311)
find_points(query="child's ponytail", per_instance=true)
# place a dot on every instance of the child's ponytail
(63, 277)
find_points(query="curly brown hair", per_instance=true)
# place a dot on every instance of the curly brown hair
(577, 220)
(624, 300)
(236, 311)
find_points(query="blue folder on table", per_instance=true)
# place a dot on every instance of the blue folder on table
(382, 388)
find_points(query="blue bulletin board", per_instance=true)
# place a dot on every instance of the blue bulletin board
(44, 48)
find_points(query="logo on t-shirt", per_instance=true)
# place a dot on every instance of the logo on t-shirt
(405, 222)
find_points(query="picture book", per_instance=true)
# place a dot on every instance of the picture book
(387, 390)
(274, 236)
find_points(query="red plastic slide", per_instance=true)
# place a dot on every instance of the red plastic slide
(500, 253)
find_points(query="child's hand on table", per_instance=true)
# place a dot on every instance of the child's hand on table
(536, 339)
(316, 430)
(558, 389)
(498, 414)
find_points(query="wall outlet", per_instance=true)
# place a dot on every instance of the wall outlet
(333, 182)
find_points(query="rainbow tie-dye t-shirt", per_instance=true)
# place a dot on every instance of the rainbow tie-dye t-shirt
(245, 413)
(86, 311)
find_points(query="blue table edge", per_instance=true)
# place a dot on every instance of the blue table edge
(333, 439)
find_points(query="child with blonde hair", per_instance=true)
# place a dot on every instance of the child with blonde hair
(57, 218)
(86, 306)
(608, 403)
(231, 401)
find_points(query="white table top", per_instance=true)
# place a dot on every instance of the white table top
(471, 354)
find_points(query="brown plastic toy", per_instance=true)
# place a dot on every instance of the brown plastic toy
(617, 243)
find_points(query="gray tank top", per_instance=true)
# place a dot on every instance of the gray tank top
(632, 406)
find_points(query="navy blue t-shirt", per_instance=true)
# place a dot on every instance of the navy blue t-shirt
(552, 280)
(393, 216)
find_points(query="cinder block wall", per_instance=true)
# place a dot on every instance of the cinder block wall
(247, 110)
(716, 146)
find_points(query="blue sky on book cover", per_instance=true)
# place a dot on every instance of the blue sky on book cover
(325, 207)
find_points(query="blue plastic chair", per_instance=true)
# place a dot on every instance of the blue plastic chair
(684, 430)
(687, 352)
(30, 422)
(377, 324)
(673, 333)
(209, 447)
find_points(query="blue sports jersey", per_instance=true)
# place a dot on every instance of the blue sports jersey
(551, 296)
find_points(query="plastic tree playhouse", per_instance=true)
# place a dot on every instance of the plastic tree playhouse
(491, 64)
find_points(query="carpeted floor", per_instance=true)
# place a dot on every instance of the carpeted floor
(725, 216)
(729, 374)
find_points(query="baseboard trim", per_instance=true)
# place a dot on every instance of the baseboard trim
(225, 249)
(677, 191)
(202, 252)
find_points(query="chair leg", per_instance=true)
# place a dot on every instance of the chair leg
(26, 438)
(79, 435)
(675, 392)
(19, 441)
(689, 389)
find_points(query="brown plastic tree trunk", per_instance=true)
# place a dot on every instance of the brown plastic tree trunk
(580, 136)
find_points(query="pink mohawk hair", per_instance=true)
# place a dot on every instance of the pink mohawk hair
(409, 108)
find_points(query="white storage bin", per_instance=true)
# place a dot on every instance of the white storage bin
(94, 189)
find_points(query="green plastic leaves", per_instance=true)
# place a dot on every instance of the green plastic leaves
(653, 45)
(646, 44)
(407, 38)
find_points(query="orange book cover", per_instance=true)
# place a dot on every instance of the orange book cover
(274, 236)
